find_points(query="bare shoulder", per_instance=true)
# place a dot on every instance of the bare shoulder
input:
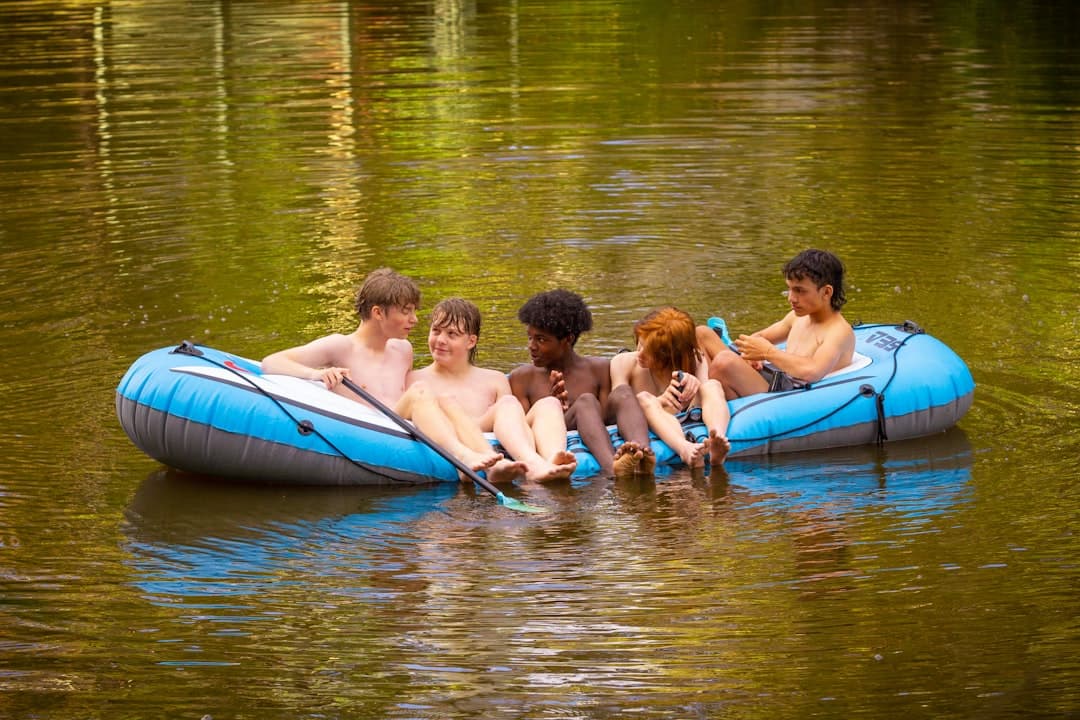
(622, 365)
(525, 372)
(842, 326)
(399, 347)
(599, 365)
(624, 359)
(333, 341)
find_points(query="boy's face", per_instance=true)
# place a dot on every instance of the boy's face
(545, 349)
(449, 343)
(397, 322)
(805, 297)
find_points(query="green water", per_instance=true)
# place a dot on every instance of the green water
(228, 172)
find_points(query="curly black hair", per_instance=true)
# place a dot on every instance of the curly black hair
(559, 312)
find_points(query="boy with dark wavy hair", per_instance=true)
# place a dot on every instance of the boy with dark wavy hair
(818, 338)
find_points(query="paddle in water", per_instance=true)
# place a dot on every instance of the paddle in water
(512, 503)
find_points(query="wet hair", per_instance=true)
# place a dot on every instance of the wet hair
(823, 268)
(385, 288)
(459, 314)
(668, 338)
(559, 312)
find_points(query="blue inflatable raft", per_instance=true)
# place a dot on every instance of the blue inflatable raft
(209, 412)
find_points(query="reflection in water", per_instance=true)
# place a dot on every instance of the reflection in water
(445, 586)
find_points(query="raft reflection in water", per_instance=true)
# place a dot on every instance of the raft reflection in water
(190, 538)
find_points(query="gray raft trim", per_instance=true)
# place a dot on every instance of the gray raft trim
(199, 448)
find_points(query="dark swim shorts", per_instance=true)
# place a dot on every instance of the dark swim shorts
(780, 381)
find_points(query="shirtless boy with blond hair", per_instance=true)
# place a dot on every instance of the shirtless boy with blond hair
(378, 357)
(818, 338)
(478, 400)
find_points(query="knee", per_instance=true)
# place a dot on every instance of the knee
(508, 404)
(547, 404)
(586, 402)
(704, 334)
(621, 394)
(722, 363)
(647, 399)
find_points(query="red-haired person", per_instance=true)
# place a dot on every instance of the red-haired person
(670, 375)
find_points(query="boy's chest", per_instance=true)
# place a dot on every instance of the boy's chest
(804, 339)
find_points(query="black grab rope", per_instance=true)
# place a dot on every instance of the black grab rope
(865, 390)
(304, 427)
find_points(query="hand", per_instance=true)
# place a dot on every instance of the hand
(754, 348)
(558, 389)
(682, 389)
(331, 376)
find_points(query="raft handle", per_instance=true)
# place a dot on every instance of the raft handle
(187, 348)
(911, 327)
(305, 427)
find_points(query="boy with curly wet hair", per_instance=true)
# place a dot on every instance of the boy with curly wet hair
(554, 320)
(817, 339)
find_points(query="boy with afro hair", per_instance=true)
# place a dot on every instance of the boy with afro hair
(554, 320)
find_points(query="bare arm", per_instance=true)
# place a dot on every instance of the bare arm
(777, 332)
(519, 386)
(838, 340)
(601, 369)
(317, 360)
(622, 365)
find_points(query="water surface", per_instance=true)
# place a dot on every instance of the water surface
(229, 172)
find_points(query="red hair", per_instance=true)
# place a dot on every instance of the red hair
(667, 337)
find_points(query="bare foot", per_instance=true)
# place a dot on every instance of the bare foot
(561, 466)
(565, 458)
(627, 458)
(693, 454)
(719, 447)
(648, 461)
(505, 471)
(479, 461)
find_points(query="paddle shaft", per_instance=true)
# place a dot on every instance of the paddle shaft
(421, 436)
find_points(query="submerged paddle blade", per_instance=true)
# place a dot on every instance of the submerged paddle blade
(515, 504)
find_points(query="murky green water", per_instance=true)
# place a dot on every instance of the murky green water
(227, 172)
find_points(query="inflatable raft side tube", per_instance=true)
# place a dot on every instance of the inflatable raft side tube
(198, 448)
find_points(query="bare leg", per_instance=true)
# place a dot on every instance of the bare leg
(716, 415)
(513, 431)
(669, 429)
(585, 416)
(418, 405)
(738, 377)
(709, 342)
(469, 432)
(548, 423)
(624, 407)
